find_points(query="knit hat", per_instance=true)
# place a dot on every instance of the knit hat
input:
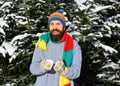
(58, 15)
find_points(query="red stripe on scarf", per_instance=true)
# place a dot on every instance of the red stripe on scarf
(67, 84)
(68, 41)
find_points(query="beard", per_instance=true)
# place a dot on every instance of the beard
(57, 37)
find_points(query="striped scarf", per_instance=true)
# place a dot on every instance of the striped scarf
(67, 54)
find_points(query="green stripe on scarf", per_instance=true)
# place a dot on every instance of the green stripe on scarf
(68, 57)
(45, 37)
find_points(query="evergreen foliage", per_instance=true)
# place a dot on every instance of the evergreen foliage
(95, 24)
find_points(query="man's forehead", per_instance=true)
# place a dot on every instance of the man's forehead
(55, 21)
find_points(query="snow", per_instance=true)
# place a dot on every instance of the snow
(2, 31)
(39, 34)
(112, 65)
(81, 5)
(7, 84)
(112, 21)
(113, 24)
(13, 84)
(1, 2)
(10, 84)
(107, 27)
(18, 37)
(99, 34)
(11, 15)
(2, 51)
(108, 78)
(105, 47)
(3, 23)
(99, 8)
(118, 81)
(100, 75)
(20, 19)
(80, 1)
(119, 61)
(9, 48)
(13, 57)
(22, 22)
(106, 54)
(96, 9)
(42, 1)
(6, 4)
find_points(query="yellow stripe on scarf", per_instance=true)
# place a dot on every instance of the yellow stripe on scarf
(63, 81)
(41, 44)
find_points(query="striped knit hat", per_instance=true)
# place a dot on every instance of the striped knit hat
(59, 15)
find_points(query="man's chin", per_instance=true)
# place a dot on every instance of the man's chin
(55, 38)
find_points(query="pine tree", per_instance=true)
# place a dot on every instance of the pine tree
(24, 19)
(94, 24)
(99, 28)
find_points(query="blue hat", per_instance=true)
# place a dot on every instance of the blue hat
(59, 15)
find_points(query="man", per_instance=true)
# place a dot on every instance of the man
(57, 57)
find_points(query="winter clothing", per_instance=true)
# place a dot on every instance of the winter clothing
(60, 67)
(68, 52)
(71, 56)
(68, 47)
(46, 64)
(59, 15)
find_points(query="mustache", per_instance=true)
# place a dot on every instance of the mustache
(55, 30)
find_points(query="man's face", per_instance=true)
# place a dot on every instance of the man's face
(56, 30)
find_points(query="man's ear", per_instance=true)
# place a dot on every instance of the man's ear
(64, 28)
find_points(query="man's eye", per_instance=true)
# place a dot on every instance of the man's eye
(51, 24)
(58, 23)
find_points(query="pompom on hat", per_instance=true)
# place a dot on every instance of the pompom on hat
(58, 15)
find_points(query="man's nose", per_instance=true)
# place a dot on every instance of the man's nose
(55, 27)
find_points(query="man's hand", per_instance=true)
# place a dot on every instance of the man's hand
(60, 67)
(46, 64)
